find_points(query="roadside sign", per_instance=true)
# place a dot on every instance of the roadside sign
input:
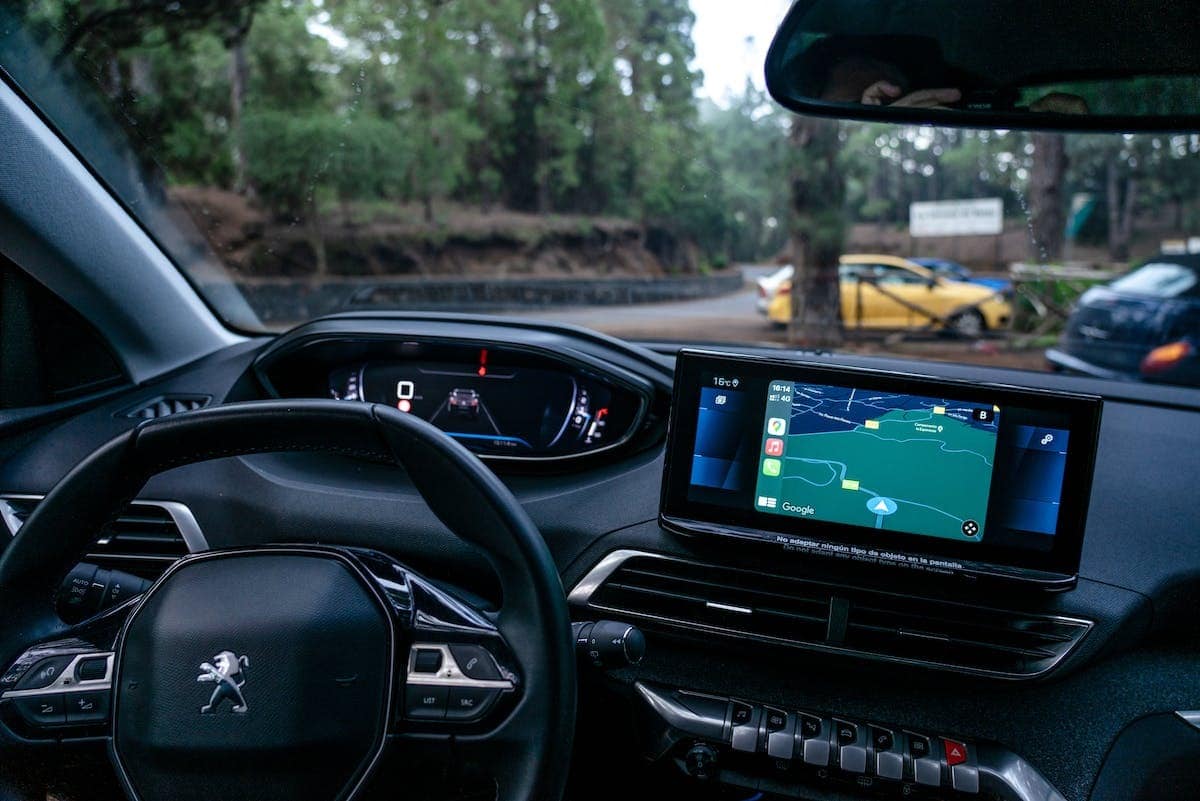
(981, 217)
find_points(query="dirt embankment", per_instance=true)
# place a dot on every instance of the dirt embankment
(396, 241)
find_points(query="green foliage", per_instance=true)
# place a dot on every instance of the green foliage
(550, 106)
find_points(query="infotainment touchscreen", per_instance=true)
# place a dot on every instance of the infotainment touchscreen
(883, 468)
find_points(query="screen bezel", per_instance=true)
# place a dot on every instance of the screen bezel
(1056, 566)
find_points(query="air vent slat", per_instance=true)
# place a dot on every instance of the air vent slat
(143, 539)
(165, 405)
(690, 597)
(722, 592)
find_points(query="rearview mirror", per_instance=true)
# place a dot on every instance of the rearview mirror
(1018, 64)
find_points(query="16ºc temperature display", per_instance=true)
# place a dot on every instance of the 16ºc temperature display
(876, 459)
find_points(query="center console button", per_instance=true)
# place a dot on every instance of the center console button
(927, 767)
(956, 752)
(814, 734)
(889, 753)
(882, 739)
(964, 771)
(852, 746)
(781, 734)
(775, 720)
(744, 736)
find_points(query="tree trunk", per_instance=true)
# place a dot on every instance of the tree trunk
(238, 70)
(1121, 207)
(1047, 207)
(818, 190)
(316, 237)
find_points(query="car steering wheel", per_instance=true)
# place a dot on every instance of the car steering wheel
(284, 671)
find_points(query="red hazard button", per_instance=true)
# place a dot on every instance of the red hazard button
(956, 753)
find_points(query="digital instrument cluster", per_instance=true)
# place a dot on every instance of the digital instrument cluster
(497, 402)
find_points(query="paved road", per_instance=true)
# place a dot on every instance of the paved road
(729, 318)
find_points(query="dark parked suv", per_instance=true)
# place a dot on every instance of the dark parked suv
(1144, 325)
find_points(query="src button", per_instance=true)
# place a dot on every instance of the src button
(469, 703)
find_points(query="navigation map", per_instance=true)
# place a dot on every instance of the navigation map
(875, 459)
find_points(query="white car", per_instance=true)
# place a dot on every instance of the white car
(768, 285)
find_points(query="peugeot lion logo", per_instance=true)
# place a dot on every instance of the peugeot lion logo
(225, 671)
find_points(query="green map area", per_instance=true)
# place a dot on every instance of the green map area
(893, 462)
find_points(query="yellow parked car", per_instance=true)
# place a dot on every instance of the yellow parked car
(881, 291)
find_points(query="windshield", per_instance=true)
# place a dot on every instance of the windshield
(1158, 279)
(613, 164)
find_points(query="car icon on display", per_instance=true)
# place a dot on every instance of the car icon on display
(463, 402)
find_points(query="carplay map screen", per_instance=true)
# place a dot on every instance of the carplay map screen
(889, 461)
(882, 468)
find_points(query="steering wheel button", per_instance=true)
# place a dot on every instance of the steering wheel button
(92, 669)
(469, 703)
(475, 662)
(42, 710)
(87, 707)
(44, 673)
(425, 702)
(427, 660)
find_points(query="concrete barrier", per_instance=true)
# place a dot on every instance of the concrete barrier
(284, 300)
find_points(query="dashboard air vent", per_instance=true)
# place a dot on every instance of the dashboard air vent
(165, 405)
(744, 604)
(144, 539)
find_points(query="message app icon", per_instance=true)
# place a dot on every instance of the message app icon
(772, 467)
(776, 426)
(773, 447)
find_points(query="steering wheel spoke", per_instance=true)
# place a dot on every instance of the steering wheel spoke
(60, 688)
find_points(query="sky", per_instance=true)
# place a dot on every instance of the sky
(731, 38)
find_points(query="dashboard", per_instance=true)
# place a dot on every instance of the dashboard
(758, 646)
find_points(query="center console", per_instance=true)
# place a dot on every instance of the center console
(926, 523)
(791, 753)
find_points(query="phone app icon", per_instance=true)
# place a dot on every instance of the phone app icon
(773, 447)
(776, 426)
(772, 467)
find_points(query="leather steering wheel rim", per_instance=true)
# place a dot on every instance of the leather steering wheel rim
(463, 493)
